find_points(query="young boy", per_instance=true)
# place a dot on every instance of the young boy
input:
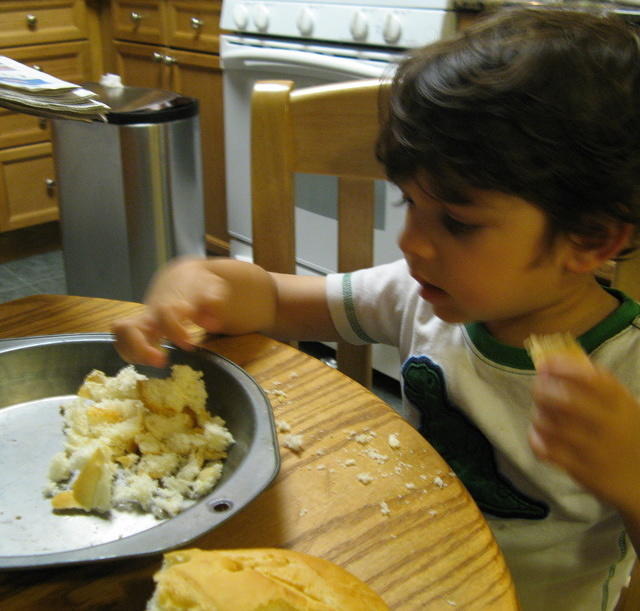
(516, 146)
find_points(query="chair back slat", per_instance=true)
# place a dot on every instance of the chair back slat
(327, 130)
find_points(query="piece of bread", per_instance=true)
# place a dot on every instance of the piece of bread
(158, 452)
(92, 487)
(183, 391)
(541, 347)
(267, 579)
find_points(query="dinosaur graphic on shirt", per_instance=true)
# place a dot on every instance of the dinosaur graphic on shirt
(463, 446)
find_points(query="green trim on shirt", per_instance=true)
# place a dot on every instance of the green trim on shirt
(350, 309)
(622, 547)
(518, 358)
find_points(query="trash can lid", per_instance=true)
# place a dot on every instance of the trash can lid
(131, 105)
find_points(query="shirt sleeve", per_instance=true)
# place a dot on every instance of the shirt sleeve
(367, 306)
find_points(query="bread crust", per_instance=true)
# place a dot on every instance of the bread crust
(541, 347)
(263, 579)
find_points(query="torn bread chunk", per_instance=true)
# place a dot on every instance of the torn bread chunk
(541, 347)
(261, 579)
(138, 443)
(92, 487)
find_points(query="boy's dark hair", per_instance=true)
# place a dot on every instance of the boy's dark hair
(543, 104)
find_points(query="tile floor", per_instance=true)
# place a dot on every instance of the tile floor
(39, 273)
(44, 273)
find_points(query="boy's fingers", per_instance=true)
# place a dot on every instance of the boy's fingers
(170, 323)
(137, 343)
(538, 444)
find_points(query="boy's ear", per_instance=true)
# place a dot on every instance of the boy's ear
(588, 256)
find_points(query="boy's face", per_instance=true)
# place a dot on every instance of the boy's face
(487, 260)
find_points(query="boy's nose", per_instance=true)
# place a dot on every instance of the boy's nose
(415, 241)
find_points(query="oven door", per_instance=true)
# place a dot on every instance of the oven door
(247, 59)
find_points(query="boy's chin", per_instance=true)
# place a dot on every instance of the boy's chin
(452, 316)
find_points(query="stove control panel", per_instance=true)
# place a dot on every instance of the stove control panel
(351, 23)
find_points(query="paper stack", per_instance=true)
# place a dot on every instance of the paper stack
(34, 92)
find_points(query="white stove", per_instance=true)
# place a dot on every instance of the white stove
(385, 23)
(312, 43)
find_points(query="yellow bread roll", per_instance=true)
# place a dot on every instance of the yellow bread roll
(541, 347)
(266, 579)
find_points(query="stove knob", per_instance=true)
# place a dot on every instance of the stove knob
(261, 17)
(392, 29)
(241, 16)
(359, 26)
(305, 22)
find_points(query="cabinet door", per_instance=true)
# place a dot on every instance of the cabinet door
(193, 25)
(139, 21)
(142, 65)
(198, 75)
(68, 61)
(28, 22)
(27, 186)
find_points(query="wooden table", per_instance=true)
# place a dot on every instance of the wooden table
(413, 532)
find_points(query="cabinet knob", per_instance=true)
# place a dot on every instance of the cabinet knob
(42, 123)
(36, 67)
(157, 57)
(136, 17)
(50, 184)
(197, 23)
(168, 60)
(32, 21)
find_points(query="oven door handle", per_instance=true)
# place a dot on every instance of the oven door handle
(266, 59)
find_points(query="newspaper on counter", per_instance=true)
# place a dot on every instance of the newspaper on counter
(28, 90)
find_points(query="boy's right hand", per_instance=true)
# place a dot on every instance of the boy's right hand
(218, 295)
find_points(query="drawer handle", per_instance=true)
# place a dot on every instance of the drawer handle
(32, 21)
(197, 23)
(135, 17)
(165, 59)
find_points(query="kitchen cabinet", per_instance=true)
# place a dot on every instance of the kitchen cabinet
(51, 35)
(173, 44)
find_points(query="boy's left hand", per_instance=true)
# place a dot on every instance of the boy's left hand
(588, 424)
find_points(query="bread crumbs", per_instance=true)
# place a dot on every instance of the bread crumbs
(365, 478)
(283, 426)
(438, 481)
(393, 441)
(294, 443)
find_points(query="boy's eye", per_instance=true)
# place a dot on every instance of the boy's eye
(456, 227)
(405, 201)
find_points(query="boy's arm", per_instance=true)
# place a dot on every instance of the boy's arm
(301, 311)
(222, 296)
(588, 423)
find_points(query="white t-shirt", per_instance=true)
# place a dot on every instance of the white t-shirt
(470, 396)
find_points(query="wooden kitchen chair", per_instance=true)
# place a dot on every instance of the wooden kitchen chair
(330, 130)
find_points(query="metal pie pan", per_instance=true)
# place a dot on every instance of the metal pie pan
(37, 375)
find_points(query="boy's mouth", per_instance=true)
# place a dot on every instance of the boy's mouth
(430, 292)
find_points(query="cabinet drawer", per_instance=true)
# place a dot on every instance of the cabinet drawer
(194, 25)
(69, 61)
(27, 186)
(139, 20)
(38, 21)
(19, 128)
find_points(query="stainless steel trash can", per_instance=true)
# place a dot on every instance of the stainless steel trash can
(130, 190)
